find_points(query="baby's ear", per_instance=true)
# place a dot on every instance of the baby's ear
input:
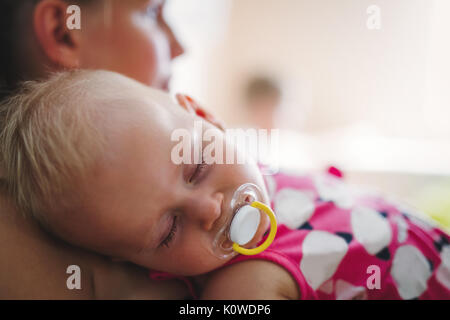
(193, 107)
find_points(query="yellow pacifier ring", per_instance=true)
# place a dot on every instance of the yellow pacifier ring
(270, 238)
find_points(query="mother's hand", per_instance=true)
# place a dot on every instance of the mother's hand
(193, 107)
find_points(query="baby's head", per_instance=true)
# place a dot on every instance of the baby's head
(88, 153)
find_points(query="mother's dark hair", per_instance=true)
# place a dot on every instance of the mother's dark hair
(16, 28)
(8, 25)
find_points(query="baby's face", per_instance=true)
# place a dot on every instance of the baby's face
(141, 207)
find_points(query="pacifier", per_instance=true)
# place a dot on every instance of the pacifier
(241, 227)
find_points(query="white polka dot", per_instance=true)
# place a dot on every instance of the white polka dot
(332, 189)
(443, 271)
(322, 254)
(370, 229)
(293, 208)
(347, 291)
(411, 271)
(402, 228)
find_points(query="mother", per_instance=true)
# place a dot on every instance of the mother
(130, 37)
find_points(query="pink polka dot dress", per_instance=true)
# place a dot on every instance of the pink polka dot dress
(342, 243)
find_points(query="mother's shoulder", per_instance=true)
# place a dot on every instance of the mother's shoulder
(33, 265)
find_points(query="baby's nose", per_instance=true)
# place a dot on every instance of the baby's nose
(206, 209)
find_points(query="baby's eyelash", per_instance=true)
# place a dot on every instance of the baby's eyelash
(171, 234)
(198, 171)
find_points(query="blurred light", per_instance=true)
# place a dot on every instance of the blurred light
(200, 25)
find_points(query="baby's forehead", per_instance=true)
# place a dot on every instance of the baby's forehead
(142, 114)
(134, 104)
(130, 112)
(139, 139)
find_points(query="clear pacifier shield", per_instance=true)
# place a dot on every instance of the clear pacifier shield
(246, 225)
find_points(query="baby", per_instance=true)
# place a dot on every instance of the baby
(88, 154)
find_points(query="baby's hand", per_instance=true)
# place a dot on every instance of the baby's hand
(251, 280)
(193, 107)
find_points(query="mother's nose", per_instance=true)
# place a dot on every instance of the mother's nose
(204, 209)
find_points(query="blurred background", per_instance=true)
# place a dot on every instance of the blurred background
(360, 85)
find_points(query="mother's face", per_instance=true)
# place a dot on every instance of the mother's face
(130, 37)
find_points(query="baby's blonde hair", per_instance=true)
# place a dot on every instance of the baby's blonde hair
(50, 134)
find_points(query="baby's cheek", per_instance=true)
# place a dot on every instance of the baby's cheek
(194, 258)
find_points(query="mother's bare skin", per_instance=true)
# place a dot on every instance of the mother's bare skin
(33, 266)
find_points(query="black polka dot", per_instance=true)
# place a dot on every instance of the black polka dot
(440, 243)
(306, 226)
(430, 263)
(383, 214)
(346, 236)
(384, 254)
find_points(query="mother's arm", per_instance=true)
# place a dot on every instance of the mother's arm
(33, 266)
